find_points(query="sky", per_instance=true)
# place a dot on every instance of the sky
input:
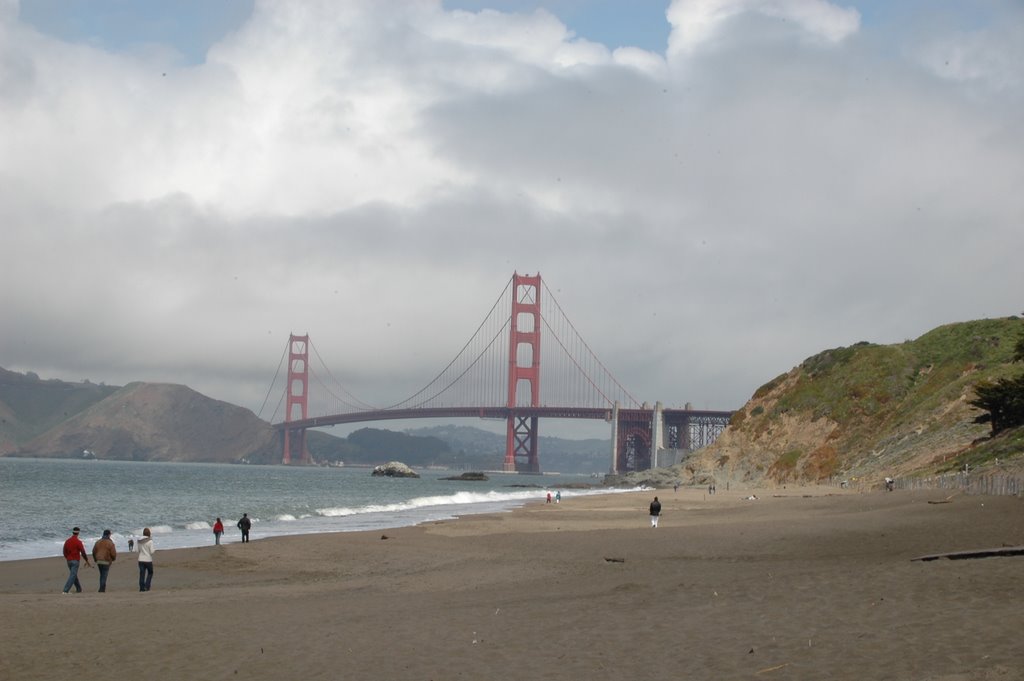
(717, 189)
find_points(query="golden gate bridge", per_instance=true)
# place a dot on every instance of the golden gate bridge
(497, 375)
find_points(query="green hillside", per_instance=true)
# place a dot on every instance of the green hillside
(873, 410)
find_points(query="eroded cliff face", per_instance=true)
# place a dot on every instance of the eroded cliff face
(865, 411)
(160, 422)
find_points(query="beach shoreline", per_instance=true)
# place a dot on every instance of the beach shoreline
(798, 583)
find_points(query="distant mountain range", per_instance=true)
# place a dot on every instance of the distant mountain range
(167, 422)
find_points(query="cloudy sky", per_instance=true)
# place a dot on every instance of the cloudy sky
(716, 189)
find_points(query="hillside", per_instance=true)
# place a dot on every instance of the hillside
(869, 411)
(159, 422)
(30, 406)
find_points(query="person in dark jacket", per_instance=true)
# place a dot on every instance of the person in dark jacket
(655, 512)
(244, 524)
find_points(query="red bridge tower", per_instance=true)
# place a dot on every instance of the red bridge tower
(523, 366)
(298, 397)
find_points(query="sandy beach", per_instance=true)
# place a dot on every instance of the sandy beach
(797, 584)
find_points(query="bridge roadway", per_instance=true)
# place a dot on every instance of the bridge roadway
(592, 413)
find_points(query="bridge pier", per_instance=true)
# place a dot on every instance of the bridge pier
(615, 439)
(657, 435)
(521, 445)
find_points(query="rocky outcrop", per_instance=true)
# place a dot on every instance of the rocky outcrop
(394, 469)
(470, 476)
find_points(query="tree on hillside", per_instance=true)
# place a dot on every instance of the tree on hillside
(1003, 399)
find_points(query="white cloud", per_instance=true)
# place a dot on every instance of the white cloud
(372, 173)
(696, 22)
(990, 58)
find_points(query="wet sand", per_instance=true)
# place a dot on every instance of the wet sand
(798, 584)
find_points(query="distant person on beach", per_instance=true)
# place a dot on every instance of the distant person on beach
(131, 544)
(146, 551)
(244, 524)
(74, 553)
(218, 530)
(549, 498)
(655, 511)
(675, 487)
(104, 553)
(558, 497)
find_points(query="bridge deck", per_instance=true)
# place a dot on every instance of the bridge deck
(591, 413)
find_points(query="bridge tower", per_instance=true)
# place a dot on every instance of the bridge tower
(523, 367)
(297, 401)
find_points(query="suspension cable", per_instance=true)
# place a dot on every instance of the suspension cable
(457, 355)
(272, 384)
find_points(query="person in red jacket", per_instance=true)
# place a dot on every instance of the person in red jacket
(74, 552)
(218, 530)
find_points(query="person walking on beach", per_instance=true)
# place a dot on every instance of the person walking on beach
(655, 511)
(244, 524)
(104, 553)
(146, 551)
(558, 497)
(218, 530)
(74, 553)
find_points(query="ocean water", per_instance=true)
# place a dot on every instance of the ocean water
(42, 499)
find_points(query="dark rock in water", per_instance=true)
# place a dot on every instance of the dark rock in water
(395, 469)
(471, 476)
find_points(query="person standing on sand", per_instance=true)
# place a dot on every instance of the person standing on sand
(146, 551)
(218, 530)
(655, 511)
(558, 497)
(74, 552)
(244, 524)
(104, 553)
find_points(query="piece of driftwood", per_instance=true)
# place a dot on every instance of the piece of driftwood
(771, 669)
(978, 553)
